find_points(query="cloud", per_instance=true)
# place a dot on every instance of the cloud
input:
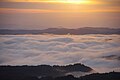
(91, 50)
(112, 57)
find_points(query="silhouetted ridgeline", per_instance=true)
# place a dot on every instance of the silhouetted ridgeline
(40, 71)
(46, 72)
(61, 31)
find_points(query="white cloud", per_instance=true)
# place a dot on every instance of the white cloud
(60, 49)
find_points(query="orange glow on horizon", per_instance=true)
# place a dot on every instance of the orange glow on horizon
(12, 10)
(66, 6)
(58, 1)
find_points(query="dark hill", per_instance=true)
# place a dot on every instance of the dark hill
(46, 72)
(96, 76)
(40, 70)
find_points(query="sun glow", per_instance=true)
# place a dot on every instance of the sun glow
(57, 1)
(77, 1)
(72, 1)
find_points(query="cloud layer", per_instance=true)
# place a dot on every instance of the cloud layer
(101, 52)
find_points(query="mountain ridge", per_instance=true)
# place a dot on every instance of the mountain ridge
(62, 31)
(43, 70)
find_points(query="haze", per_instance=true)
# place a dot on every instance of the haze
(40, 14)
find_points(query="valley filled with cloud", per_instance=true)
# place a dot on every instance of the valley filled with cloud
(100, 52)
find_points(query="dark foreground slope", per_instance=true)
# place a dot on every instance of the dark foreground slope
(34, 72)
(46, 72)
(97, 76)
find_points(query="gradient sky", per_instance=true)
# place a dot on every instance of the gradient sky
(40, 14)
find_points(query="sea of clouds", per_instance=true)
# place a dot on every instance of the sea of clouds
(100, 52)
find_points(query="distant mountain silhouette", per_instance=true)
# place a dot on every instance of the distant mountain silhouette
(61, 31)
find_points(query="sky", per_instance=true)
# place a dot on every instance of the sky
(42, 14)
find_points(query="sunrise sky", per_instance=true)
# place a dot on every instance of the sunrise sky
(40, 14)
